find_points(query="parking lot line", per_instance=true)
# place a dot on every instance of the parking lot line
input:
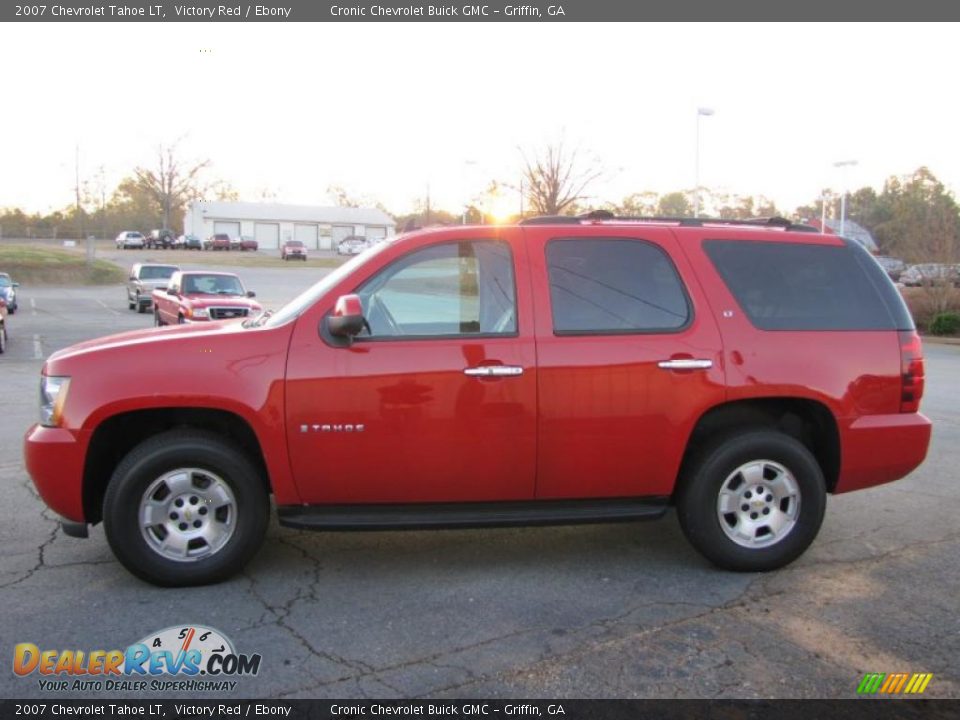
(33, 306)
(37, 348)
(107, 307)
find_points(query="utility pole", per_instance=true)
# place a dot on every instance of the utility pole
(76, 187)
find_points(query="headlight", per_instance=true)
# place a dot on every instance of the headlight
(199, 313)
(53, 394)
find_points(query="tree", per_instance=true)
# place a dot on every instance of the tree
(642, 204)
(172, 182)
(924, 220)
(341, 198)
(555, 179)
(675, 204)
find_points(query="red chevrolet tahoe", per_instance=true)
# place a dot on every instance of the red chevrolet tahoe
(564, 370)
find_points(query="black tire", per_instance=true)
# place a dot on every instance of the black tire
(706, 474)
(162, 454)
(130, 304)
(12, 309)
(141, 308)
(156, 319)
(180, 320)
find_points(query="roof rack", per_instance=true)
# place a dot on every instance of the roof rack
(606, 215)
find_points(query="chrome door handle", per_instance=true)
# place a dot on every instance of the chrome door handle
(493, 371)
(686, 364)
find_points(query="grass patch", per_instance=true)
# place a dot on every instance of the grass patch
(38, 265)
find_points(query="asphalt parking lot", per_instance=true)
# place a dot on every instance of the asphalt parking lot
(624, 610)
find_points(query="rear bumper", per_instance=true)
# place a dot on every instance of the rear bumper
(54, 458)
(878, 449)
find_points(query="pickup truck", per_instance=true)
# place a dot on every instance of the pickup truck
(563, 370)
(200, 296)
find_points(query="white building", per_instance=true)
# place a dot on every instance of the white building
(272, 224)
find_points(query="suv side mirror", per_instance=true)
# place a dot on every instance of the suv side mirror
(251, 293)
(16, 284)
(172, 291)
(347, 319)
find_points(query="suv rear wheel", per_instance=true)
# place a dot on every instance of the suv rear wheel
(753, 501)
(185, 507)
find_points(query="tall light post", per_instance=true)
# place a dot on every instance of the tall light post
(843, 192)
(701, 112)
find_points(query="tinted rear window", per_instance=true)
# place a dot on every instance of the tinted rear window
(794, 286)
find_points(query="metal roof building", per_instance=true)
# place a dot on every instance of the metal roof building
(272, 224)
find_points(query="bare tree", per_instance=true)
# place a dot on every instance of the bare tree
(173, 181)
(556, 179)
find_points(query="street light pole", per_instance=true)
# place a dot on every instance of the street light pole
(703, 111)
(843, 193)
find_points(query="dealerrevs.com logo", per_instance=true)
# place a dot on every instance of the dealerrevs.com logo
(180, 658)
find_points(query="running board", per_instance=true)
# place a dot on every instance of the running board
(459, 515)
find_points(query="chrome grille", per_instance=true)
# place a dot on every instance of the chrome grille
(226, 313)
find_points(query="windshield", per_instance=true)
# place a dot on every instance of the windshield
(157, 272)
(5, 281)
(309, 296)
(212, 285)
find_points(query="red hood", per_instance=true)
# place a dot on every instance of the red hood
(145, 338)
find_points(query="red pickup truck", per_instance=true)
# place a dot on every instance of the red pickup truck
(563, 370)
(199, 296)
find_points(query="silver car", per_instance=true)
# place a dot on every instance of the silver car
(930, 273)
(129, 239)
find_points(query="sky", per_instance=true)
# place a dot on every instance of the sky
(388, 110)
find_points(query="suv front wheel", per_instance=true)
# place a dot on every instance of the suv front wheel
(185, 507)
(753, 501)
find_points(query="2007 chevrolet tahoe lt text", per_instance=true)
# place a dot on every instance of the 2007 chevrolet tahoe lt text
(563, 370)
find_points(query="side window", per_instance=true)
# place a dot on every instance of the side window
(798, 286)
(464, 288)
(613, 285)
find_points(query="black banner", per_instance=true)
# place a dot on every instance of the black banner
(480, 11)
(484, 709)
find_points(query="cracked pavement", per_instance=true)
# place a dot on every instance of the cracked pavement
(621, 611)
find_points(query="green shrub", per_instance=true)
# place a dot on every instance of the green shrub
(947, 323)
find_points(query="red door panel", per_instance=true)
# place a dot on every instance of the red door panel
(399, 420)
(613, 423)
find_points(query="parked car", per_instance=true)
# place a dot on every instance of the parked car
(559, 371)
(129, 239)
(930, 274)
(199, 296)
(352, 245)
(144, 278)
(219, 241)
(3, 325)
(248, 243)
(160, 239)
(893, 266)
(293, 250)
(8, 292)
(188, 242)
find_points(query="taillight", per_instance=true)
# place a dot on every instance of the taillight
(911, 371)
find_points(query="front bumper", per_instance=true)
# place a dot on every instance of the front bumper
(54, 458)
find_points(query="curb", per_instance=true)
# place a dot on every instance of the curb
(934, 340)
